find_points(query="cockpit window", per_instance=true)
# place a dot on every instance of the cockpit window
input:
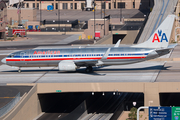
(11, 56)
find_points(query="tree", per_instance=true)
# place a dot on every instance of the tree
(133, 113)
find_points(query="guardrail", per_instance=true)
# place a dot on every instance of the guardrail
(5, 109)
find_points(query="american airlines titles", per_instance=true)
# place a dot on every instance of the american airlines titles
(46, 52)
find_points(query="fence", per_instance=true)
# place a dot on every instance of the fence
(5, 109)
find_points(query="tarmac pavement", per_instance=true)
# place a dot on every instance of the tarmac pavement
(140, 72)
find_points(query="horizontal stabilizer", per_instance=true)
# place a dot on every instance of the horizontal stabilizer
(172, 45)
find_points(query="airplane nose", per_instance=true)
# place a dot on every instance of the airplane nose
(3, 60)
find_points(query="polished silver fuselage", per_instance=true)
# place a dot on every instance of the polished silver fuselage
(51, 57)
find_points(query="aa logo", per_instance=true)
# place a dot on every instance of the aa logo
(159, 36)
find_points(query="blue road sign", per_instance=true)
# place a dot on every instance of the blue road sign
(159, 113)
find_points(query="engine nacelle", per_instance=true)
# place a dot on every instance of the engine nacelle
(67, 66)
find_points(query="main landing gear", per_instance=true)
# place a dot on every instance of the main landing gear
(89, 69)
(19, 70)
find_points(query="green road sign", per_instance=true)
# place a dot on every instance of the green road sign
(175, 113)
(58, 90)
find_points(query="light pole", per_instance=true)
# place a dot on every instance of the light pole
(143, 107)
(65, 26)
(94, 22)
(101, 9)
(59, 15)
(40, 13)
(120, 11)
(104, 15)
(19, 12)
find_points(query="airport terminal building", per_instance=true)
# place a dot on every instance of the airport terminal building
(80, 4)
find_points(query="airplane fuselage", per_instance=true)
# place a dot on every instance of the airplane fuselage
(69, 59)
(51, 57)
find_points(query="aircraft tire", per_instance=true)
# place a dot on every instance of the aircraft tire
(89, 69)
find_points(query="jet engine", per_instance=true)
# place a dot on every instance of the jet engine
(67, 66)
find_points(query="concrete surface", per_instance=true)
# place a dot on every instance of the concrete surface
(7, 93)
(36, 40)
(140, 72)
(27, 108)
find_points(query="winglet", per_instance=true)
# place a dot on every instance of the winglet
(118, 42)
(106, 54)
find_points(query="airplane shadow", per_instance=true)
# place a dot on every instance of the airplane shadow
(94, 72)
(157, 67)
(35, 70)
(82, 71)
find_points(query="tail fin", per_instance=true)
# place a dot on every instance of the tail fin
(160, 38)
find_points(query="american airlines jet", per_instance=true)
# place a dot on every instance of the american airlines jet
(70, 59)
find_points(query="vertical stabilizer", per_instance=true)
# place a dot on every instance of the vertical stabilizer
(160, 38)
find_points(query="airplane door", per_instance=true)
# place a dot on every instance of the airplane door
(22, 56)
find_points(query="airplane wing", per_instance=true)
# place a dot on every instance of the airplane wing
(92, 62)
(86, 62)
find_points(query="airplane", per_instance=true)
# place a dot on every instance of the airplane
(70, 59)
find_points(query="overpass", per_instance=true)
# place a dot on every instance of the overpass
(30, 106)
